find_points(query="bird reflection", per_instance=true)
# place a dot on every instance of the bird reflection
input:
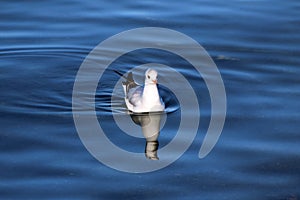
(150, 123)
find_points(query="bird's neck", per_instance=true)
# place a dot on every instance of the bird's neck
(150, 95)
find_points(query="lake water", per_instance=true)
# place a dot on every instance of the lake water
(255, 45)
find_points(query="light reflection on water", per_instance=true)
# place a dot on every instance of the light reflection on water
(150, 125)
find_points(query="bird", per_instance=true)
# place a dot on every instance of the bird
(143, 99)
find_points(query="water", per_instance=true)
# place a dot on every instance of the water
(255, 45)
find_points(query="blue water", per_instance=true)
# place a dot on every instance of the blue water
(255, 45)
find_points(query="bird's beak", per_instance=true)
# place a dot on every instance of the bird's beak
(155, 81)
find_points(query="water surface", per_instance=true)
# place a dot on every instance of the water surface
(255, 45)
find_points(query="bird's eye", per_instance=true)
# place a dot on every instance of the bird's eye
(148, 77)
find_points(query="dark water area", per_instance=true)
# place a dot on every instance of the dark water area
(255, 45)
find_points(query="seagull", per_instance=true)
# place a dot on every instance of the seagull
(141, 99)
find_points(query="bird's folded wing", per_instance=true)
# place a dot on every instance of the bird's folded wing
(134, 95)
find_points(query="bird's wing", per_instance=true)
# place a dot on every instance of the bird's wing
(134, 95)
(129, 83)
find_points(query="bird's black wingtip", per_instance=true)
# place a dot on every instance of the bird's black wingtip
(130, 77)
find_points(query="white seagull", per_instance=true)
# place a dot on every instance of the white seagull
(140, 99)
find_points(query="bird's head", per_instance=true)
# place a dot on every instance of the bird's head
(151, 76)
